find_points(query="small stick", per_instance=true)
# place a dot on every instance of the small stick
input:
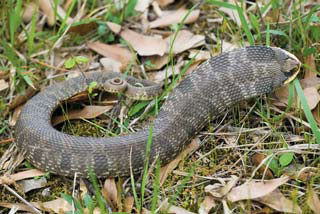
(22, 199)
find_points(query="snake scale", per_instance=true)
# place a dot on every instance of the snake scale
(214, 86)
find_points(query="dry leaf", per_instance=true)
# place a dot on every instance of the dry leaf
(310, 83)
(175, 17)
(110, 64)
(59, 205)
(31, 184)
(157, 61)
(159, 76)
(15, 116)
(219, 190)
(252, 189)
(309, 72)
(110, 193)
(128, 204)
(173, 209)
(115, 28)
(88, 112)
(184, 41)
(167, 169)
(145, 45)
(313, 201)
(19, 206)
(46, 8)
(312, 97)
(257, 160)
(9, 179)
(3, 85)
(277, 201)
(207, 204)
(164, 3)
(142, 5)
(29, 9)
(84, 28)
(199, 55)
(115, 52)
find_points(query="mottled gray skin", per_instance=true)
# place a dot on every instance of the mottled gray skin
(214, 86)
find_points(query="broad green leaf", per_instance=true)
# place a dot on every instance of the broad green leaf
(285, 159)
(136, 108)
(70, 63)
(81, 59)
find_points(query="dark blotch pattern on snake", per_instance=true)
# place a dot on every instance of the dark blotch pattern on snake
(213, 87)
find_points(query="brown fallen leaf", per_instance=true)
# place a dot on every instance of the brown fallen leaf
(142, 5)
(22, 98)
(252, 189)
(31, 184)
(18, 206)
(168, 208)
(310, 70)
(88, 112)
(110, 64)
(156, 61)
(28, 11)
(313, 201)
(59, 205)
(278, 202)
(145, 45)
(15, 116)
(120, 54)
(175, 17)
(257, 159)
(46, 8)
(167, 169)
(84, 28)
(3, 85)
(233, 13)
(164, 3)
(220, 190)
(199, 55)
(160, 76)
(115, 28)
(128, 204)
(9, 179)
(110, 193)
(184, 41)
(207, 204)
(312, 97)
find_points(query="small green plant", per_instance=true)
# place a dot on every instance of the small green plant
(278, 164)
(72, 62)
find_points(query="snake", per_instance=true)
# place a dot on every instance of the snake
(213, 87)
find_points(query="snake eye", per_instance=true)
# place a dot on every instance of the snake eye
(116, 81)
(115, 85)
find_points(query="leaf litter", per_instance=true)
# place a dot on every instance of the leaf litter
(153, 48)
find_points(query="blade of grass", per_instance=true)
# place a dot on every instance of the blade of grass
(156, 187)
(146, 165)
(307, 110)
(268, 35)
(31, 35)
(97, 192)
(244, 25)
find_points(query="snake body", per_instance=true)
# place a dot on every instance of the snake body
(215, 85)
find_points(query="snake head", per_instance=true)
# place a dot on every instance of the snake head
(290, 64)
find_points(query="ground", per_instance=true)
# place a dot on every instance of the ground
(261, 156)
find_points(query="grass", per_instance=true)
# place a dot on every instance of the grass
(225, 152)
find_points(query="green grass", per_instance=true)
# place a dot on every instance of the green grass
(221, 155)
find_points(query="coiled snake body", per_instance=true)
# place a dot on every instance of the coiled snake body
(214, 86)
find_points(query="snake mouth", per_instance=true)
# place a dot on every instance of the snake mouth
(293, 65)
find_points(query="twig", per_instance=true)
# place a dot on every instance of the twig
(22, 199)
